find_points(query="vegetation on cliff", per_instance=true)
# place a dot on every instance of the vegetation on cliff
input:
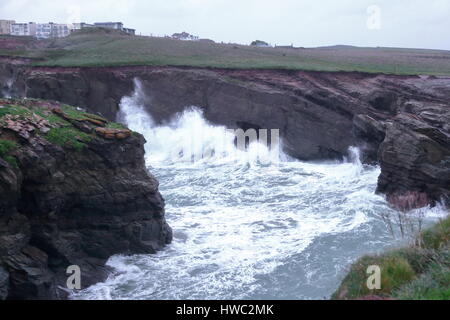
(68, 137)
(59, 124)
(93, 48)
(6, 147)
(420, 272)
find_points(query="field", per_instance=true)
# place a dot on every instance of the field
(94, 47)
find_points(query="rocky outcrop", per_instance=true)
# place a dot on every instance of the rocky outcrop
(319, 114)
(70, 197)
(415, 156)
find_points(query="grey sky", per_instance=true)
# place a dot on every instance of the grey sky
(402, 23)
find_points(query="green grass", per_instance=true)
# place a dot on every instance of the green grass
(51, 117)
(421, 273)
(6, 147)
(80, 115)
(438, 236)
(74, 113)
(115, 125)
(62, 131)
(28, 110)
(94, 48)
(434, 284)
(13, 110)
(395, 270)
(68, 137)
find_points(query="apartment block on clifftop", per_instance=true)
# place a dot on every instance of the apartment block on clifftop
(5, 26)
(54, 30)
(109, 25)
(23, 29)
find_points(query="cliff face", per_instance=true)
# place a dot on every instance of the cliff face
(319, 114)
(415, 156)
(74, 191)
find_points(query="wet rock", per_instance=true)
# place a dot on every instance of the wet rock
(370, 134)
(61, 207)
(30, 276)
(24, 126)
(408, 200)
(4, 284)
(415, 162)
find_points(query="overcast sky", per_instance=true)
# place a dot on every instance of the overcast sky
(308, 23)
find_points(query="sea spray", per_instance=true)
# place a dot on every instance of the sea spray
(244, 230)
(188, 137)
(7, 90)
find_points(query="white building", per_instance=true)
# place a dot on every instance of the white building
(60, 30)
(56, 30)
(52, 30)
(184, 36)
(44, 30)
(23, 29)
(115, 26)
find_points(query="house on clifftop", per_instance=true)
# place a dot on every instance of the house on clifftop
(260, 43)
(109, 25)
(115, 26)
(184, 36)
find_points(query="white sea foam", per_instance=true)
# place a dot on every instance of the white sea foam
(243, 229)
(7, 90)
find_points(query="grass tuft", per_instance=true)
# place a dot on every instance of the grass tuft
(432, 285)
(68, 137)
(437, 236)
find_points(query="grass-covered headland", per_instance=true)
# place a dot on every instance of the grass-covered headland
(60, 124)
(101, 48)
(419, 272)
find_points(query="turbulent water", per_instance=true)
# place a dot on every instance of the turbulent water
(6, 91)
(247, 226)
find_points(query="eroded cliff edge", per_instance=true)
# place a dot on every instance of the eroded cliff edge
(74, 191)
(400, 122)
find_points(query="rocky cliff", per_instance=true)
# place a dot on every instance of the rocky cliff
(74, 191)
(400, 122)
